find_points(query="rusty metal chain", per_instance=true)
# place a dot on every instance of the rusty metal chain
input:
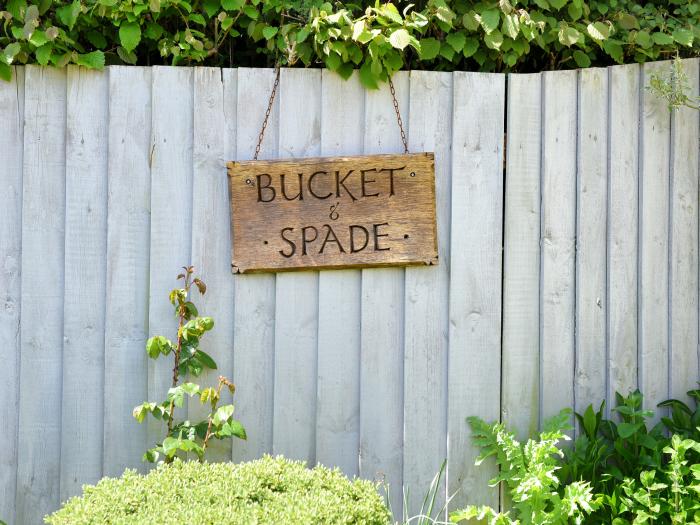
(272, 100)
(398, 116)
(267, 113)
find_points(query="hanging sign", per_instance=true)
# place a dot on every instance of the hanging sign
(337, 212)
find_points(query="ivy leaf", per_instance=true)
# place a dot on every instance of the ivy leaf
(400, 39)
(429, 48)
(94, 60)
(683, 37)
(490, 19)
(456, 40)
(129, 35)
(68, 14)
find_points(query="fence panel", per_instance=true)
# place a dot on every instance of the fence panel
(582, 245)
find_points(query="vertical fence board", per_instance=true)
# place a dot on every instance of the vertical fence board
(426, 325)
(623, 145)
(11, 144)
(591, 229)
(684, 244)
(558, 244)
(41, 330)
(211, 239)
(520, 382)
(128, 242)
(254, 309)
(338, 397)
(296, 301)
(381, 372)
(475, 273)
(653, 243)
(171, 216)
(85, 271)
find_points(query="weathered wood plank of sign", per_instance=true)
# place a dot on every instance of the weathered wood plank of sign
(376, 210)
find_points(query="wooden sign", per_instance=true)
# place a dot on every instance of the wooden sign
(339, 212)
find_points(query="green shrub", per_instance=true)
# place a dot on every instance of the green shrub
(269, 490)
(377, 38)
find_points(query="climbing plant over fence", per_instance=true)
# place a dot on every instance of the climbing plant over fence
(377, 38)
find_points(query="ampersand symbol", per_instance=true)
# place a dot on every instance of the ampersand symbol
(334, 213)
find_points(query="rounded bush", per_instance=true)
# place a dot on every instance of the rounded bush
(266, 491)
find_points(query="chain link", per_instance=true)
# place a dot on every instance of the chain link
(398, 116)
(267, 113)
(272, 100)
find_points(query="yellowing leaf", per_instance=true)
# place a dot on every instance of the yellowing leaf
(400, 39)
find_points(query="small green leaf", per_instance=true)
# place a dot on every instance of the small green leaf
(129, 35)
(614, 49)
(494, 40)
(683, 37)
(490, 19)
(662, 39)
(232, 5)
(205, 359)
(568, 35)
(43, 54)
(598, 31)
(643, 39)
(581, 58)
(429, 48)
(470, 47)
(628, 21)
(456, 40)
(558, 4)
(11, 51)
(222, 414)
(511, 26)
(94, 60)
(5, 72)
(626, 430)
(269, 32)
(400, 39)
(68, 14)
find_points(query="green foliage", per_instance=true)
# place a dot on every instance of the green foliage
(684, 420)
(429, 513)
(674, 87)
(189, 359)
(529, 473)
(376, 38)
(274, 491)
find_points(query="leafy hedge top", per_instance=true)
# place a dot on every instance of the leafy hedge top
(378, 38)
(273, 491)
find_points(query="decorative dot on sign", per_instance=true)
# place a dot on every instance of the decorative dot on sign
(413, 174)
(249, 182)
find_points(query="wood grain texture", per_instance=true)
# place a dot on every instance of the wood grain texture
(683, 364)
(296, 295)
(12, 145)
(211, 241)
(339, 299)
(426, 302)
(382, 346)
(653, 243)
(41, 329)
(85, 272)
(558, 242)
(254, 309)
(590, 379)
(171, 216)
(520, 383)
(475, 277)
(623, 214)
(128, 247)
(376, 210)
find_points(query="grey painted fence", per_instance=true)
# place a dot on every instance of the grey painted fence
(571, 277)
